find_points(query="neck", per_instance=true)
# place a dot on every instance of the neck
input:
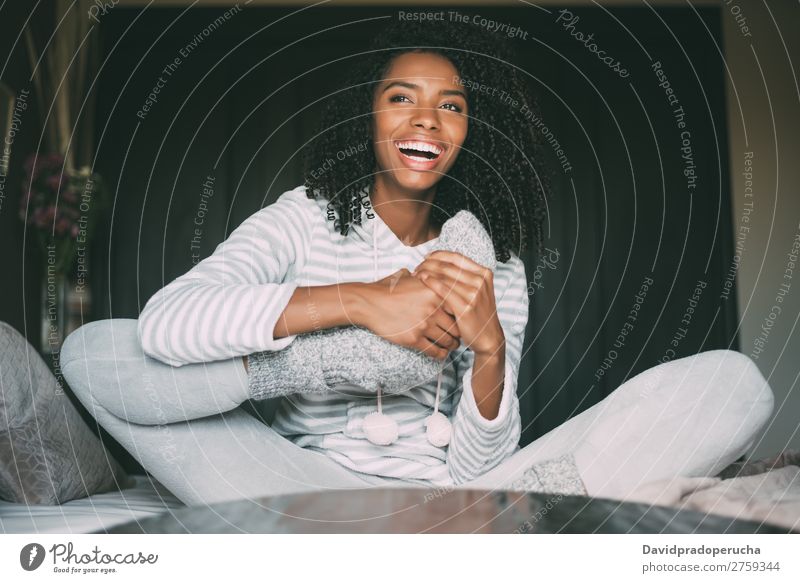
(406, 212)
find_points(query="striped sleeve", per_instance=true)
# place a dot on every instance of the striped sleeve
(479, 444)
(228, 304)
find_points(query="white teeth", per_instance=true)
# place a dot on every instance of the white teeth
(420, 146)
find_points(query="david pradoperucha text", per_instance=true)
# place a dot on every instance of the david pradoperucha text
(700, 550)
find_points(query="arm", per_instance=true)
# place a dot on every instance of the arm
(321, 307)
(488, 379)
(228, 304)
(480, 439)
(397, 308)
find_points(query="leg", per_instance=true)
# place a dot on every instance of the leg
(688, 417)
(183, 425)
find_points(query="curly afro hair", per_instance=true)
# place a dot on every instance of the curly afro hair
(499, 175)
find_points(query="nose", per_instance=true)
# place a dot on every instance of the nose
(425, 117)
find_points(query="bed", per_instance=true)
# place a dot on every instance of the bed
(97, 513)
(760, 496)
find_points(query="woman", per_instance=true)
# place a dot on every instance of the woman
(444, 131)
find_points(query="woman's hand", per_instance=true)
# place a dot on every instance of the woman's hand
(467, 292)
(403, 310)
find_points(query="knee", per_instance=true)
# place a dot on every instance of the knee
(92, 355)
(102, 340)
(741, 381)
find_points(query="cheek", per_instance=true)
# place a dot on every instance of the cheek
(458, 135)
(382, 125)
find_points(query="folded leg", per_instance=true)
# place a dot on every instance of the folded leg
(183, 424)
(687, 417)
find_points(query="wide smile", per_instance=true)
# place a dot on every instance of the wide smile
(419, 155)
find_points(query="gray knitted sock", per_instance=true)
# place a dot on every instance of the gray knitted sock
(319, 360)
(316, 361)
(558, 475)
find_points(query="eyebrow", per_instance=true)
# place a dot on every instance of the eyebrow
(414, 86)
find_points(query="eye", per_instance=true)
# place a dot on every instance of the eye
(456, 108)
(399, 98)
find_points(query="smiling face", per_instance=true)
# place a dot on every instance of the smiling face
(419, 120)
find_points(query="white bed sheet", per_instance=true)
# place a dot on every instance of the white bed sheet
(95, 513)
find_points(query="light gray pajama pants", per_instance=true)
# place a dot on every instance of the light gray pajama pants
(687, 417)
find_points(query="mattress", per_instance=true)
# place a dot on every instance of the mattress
(146, 498)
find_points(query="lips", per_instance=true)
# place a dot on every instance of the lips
(419, 154)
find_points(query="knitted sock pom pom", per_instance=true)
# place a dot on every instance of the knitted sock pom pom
(380, 429)
(438, 429)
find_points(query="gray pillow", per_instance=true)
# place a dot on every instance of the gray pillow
(48, 455)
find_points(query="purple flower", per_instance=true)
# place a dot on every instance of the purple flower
(53, 182)
(62, 226)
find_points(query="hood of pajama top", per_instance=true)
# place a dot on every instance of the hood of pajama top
(377, 235)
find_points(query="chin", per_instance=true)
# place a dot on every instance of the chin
(413, 180)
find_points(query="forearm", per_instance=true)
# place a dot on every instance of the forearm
(487, 381)
(321, 307)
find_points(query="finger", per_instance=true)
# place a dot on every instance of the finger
(442, 337)
(452, 270)
(455, 295)
(448, 323)
(445, 286)
(442, 340)
(432, 349)
(457, 259)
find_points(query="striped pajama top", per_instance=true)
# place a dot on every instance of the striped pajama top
(228, 304)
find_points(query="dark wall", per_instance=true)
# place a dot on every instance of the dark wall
(241, 103)
(20, 259)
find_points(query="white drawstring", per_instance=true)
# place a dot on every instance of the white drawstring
(381, 429)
